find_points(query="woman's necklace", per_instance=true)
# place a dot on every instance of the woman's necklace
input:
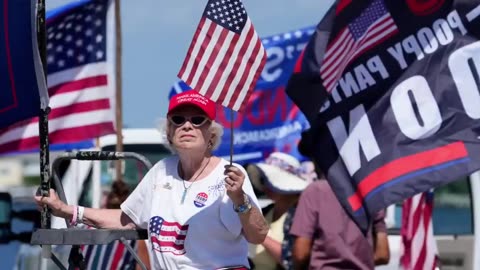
(185, 188)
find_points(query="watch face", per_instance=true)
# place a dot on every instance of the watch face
(245, 206)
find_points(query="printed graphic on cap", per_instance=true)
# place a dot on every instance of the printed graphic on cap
(200, 199)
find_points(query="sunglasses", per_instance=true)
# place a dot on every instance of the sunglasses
(196, 120)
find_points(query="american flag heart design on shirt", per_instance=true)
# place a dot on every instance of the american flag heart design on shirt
(167, 236)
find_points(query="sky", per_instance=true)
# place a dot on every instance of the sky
(156, 37)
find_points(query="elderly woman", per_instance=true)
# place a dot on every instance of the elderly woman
(200, 212)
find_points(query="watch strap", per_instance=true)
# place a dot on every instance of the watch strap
(245, 206)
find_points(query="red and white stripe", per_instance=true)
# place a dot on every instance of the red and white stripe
(171, 238)
(80, 102)
(344, 49)
(113, 256)
(419, 245)
(223, 65)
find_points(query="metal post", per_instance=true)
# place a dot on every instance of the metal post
(118, 88)
(43, 125)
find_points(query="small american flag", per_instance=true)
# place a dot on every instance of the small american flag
(81, 91)
(114, 256)
(372, 27)
(226, 56)
(419, 245)
(167, 236)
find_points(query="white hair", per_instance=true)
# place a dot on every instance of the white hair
(162, 128)
(215, 128)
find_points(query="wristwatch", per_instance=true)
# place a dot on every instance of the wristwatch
(245, 207)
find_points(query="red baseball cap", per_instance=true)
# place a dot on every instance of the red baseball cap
(193, 98)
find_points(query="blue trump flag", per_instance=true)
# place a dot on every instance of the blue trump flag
(22, 82)
(271, 121)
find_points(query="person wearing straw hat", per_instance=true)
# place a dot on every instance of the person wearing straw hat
(279, 177)
(200, 211)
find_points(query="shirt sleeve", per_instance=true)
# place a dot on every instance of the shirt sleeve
(138, 204)
(379, 224)
(306, 216)
(228, 216)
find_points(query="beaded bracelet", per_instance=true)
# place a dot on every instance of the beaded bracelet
(73, 221)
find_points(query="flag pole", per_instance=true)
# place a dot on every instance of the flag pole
(231, 137)
(118, 88)
(43, 127)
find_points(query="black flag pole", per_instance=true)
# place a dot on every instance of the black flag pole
(43, 126)
(231, 137)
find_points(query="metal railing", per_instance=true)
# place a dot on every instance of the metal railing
(79, 236)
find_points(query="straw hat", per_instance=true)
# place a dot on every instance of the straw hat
(280, 172)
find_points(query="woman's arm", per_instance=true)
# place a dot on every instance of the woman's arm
(107, 219)
(274, 248)
(99, 218)
(254, 225)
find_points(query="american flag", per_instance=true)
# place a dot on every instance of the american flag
(372, 27)
(167, 236)
(114, 256)
(226, 56)
(419, 245)
(80, 88)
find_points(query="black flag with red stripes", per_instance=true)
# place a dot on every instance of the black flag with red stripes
(392, 91)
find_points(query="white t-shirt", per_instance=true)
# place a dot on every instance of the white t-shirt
(202, 233)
